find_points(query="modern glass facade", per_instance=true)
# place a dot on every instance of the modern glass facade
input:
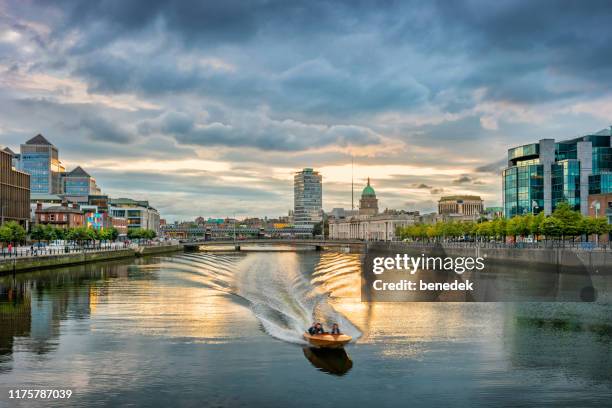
(78, 183)
(566, 183)
(40, 159)
(536, 178)
(76, 186)
(600, 183)
(307, 197)
(523, 189)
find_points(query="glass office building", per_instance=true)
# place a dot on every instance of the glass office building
(40, 159)
(78, 183)
(307, 198)
(541, 175)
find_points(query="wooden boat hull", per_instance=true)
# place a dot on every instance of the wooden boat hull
(328, 340)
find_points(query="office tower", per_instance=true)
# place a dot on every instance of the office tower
(307, 197)
(541, 175)
(40, 159)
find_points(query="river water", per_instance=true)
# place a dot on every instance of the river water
(224, 329)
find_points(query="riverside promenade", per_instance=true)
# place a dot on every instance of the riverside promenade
(27, 261)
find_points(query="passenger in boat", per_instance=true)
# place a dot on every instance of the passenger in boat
(335, 329)
(312, 329)
(319, 329)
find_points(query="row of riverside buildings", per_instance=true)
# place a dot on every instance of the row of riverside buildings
(368, 223)
(578, 171)
(537, 178)
(36, 188)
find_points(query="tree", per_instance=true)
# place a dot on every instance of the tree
(38, 232)
(12, 232)
(594, 226)
(570, 220)
(552, 227)
(113, 233)
(5, 234)
(135, 233)
(49, 232)
(79, 234)
(535, 224)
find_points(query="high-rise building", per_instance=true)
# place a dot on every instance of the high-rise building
(542, 175)
(14, 191)
(368, 203)
(78, 183)
(40, 159)
(307, 198)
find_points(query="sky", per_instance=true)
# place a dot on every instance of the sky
(208, 108)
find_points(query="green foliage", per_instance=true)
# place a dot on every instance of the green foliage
(41, 232)
(141, 233)
(12, 232)
(37, 232)
(564, 222)
(552, 227)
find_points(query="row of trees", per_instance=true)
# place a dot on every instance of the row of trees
(141, 233)
(12, 232)
(50, 233)
(563, 223)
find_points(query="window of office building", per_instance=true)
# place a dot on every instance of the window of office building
(566, 183)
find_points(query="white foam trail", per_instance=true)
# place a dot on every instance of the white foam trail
(277, 287)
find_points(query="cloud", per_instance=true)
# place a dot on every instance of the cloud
(97, 128)
(436, 87)
(258, 131)
(422, 185)
(463, 179)
(494, 167)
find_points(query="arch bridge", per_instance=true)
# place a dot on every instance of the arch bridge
(353, 246)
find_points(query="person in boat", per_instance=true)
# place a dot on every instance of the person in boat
(335, 329)
(312, 329)
(319, 329)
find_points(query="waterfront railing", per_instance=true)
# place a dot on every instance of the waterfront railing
(34, 251)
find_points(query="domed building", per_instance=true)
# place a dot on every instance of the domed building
(368, 204)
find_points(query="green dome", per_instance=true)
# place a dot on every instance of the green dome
(368, 191)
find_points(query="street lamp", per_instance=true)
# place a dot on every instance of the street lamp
(596, 205)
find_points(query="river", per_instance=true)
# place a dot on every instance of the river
(224, 329)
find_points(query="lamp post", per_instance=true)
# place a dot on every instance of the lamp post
(596, 205)
(234, 228)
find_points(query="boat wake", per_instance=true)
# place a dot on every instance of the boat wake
(281, 289)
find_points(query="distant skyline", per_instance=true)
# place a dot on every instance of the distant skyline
(208, 108)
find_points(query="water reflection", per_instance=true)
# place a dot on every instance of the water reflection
(330, 361)
(209, 323)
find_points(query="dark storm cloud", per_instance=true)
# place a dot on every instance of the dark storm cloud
(422, 185)
(259, 132)
(306, 83)
(463, 179)
(103, 130)
(493, 168)
(514, 49)
(76, 119)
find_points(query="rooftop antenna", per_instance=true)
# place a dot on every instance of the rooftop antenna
(352, 183)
